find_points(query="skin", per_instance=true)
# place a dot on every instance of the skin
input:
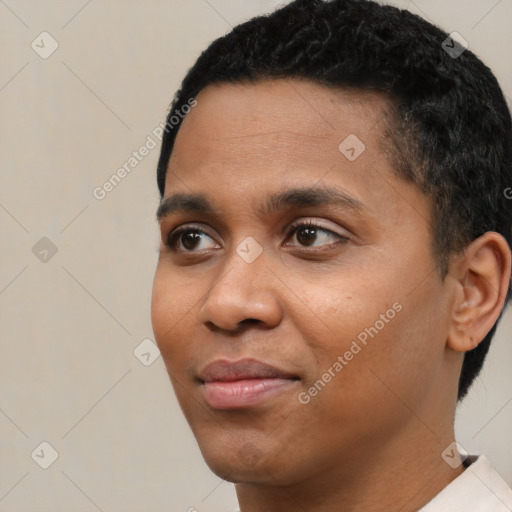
(372, 438)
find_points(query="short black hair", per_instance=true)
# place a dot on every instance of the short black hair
(451, 129)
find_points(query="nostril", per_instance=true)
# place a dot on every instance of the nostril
(250, 321)
(239, 327)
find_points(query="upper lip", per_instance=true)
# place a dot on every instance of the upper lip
(226, 371)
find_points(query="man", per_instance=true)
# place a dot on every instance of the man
(335, 258)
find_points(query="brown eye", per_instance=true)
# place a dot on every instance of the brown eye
(187, 239)
(307, 233)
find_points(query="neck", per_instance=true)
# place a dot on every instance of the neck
(402, 476)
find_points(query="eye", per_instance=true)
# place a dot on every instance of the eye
(190, 238)
(307, 233)
(187, 239)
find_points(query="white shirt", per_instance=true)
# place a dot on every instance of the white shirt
(479, 489)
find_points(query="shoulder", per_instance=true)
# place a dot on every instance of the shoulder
(479, 489)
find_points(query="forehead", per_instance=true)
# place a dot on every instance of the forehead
(243, 143)
(278, 120)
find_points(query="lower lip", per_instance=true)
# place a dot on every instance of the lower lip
(238, 394)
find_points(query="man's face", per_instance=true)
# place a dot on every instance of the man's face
(351, 310)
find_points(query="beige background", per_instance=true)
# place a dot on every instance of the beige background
(69, 326)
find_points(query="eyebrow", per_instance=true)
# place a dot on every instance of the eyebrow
(295, 197)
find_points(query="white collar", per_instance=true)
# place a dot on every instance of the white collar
(479, 489)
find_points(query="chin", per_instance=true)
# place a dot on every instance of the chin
(240, 460)
(237, 469)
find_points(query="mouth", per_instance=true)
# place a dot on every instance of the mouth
(244, 383)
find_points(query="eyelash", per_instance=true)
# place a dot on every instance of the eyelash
(174, 237)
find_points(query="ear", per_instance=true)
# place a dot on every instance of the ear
(482, 277)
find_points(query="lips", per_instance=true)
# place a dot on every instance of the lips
(244, 383)
(225, 371)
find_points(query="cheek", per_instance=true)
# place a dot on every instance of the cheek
(171, 308)
(329, 313)
(408, 352)
(382, 332)
(162, 305)
(360, 398)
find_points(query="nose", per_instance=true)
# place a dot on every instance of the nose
(242, 294)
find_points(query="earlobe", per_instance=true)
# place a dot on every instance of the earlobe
(482, 275)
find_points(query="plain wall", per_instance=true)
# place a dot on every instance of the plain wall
(70, 325)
